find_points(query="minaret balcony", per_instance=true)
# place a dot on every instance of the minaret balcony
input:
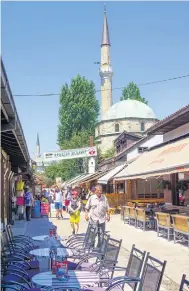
(106, 71)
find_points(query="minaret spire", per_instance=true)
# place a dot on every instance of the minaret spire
(38, 147)
(37, 143)
(105, 33)
(106, 72)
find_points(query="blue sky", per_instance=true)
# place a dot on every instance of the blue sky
(45, 44)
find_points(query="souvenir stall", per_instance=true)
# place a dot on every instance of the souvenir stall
(20, 196)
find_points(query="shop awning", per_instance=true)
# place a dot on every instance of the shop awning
(77, 181)
(68, 182)
(167, 159)
(104, 179)
(94, 177)
(13, 141)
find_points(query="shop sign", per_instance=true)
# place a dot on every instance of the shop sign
(70, 154)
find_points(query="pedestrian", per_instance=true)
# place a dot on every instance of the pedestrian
(97, 210)
(83, 195)
(68, 198)
(28, 202)
(58, 199)
(51, 195)
(74, 211)
(47, 193)
(91, 192)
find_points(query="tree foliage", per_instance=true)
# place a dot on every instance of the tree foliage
(78, 113)
(64, 169)
(132, 92)
(109, 153)
(79, 109)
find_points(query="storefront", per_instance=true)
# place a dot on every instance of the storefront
(155, 174)
(15, 158)
(107, 180)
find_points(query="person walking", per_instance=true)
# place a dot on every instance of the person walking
(58, 197)
(28, 202)
(91, 192)
(68, 198)
(51, 196)
(97, 211)
(74, 209)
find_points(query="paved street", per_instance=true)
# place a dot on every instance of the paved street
(176, 255)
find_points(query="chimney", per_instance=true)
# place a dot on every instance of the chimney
(91, 144)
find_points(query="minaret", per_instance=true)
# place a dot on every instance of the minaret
(38, 147)
(105, 69)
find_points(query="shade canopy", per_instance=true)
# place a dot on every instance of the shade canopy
(104, 179)
(167, 159)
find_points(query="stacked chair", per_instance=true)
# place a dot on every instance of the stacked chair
(17, 266)
(142, 273)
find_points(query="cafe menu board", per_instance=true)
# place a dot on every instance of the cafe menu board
(44, 208)
(62, 270)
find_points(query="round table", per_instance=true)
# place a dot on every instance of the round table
(44, 253)
(44, 237)
(77, 279)
(40, 237)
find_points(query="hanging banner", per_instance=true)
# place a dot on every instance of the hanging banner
(70, 154)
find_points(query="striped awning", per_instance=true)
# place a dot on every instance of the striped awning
(167, 159)
(104, 179)
(94, 177)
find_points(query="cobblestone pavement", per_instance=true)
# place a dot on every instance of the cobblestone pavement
(40, 226)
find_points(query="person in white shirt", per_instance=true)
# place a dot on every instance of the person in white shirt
(97, 210)
(58, 197)
(51, 196)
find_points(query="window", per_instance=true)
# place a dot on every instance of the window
(142, 126)
(116, 127)
(142, 149)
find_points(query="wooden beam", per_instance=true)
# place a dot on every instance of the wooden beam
(9, 126)
(4, 112)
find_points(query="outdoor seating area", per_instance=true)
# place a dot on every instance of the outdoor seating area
(164, 221)
(90, 260)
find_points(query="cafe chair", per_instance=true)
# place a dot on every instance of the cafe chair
(134, 266)
(84, 263)
(164, 225)
(184, 285)
(126, 214)
(20, 238)
(181, 228)
(132, 216)
(152, 274)
(142, 220)
(14, 249)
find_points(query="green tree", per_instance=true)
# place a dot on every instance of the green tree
(78, 113)
(79, 110)
(132, 92)
(109, 153)
(64, 169)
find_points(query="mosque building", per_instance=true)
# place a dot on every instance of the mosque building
(130, 116)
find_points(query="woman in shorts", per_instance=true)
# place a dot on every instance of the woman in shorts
(74, 211)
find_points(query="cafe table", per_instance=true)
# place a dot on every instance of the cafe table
(76, 279)
(44, 237)
(44, 253)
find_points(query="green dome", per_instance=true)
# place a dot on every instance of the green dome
(129, 108)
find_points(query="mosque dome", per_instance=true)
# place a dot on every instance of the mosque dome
(127, 109)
